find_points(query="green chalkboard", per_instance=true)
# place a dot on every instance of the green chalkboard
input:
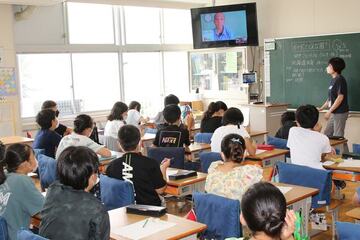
(298, 69)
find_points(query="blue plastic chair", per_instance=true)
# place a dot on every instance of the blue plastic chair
(115, 193)
(277, 142)
(177, 153)
(307, 177)
(221, 215)
(347, 231)
(203, 137)
(46, 169)
(3, 229)
(356, 148)
(28, 235)
(206, 158)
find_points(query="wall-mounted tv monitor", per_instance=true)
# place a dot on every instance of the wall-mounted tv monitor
(225, 26)
(249, 78)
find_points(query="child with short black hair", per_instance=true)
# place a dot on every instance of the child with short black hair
(168, 100)
(287, 122)
(172, 134)
(232, 123)
(46, 138)
(146, 175)
(20, 198)
(62, 130)
(307, 145)
(70, 211)
(83, 127)
(133, 116)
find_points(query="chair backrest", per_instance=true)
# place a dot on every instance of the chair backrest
(221, 215)
(277, 142)
(203, 137)
(206, 158)
(28, 235)
(177, 153)
(115, 193)
(46, 168)
(111, 143)
(307, 177)
(356, 148)
(347, 231)
(3, 229)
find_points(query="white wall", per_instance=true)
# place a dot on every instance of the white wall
(9, 106)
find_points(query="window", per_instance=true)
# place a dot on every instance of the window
(177, 26)
(230, 67)
(43, 77)
(202, 71)
(96, 80)
(142, 80)
(142, 25)
(176, 74)
(90, 23)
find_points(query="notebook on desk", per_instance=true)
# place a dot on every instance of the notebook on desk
(181, 174)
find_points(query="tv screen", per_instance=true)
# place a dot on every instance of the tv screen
(225, 26)
(249, 77)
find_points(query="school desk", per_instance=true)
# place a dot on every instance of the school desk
(196, 148)
(344, 173)
(268, 158)
(258, 137)
(16, 139)
(184, 229)
(299, 199)
(340, 144)
(104, 163)
(185, 186)
(355, 214)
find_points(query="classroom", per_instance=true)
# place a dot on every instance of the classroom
(179, 119)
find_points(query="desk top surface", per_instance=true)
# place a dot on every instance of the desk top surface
(268, 154)
(15, 139)
(354, 213)
(186, 181)
(183, 228)
(297, 193)
(199, 146)
(336, 167)
(334, 142)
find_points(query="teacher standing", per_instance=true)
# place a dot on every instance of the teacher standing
(337, 100)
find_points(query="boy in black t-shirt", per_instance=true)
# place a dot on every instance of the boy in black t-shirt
(287, 122)
(172, 135)
(146, 175)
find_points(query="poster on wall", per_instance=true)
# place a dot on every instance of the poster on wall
(7, 82)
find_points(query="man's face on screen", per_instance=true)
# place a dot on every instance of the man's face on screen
(219, 20)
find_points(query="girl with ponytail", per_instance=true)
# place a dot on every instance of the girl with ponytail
(230, 178)
(263, 211)
(20, 200)
(212, 118)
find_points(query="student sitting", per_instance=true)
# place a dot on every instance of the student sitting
(287, 122)
(133, 115)
(307, 145)
(116, 119)
(70, 211)
(62, 130)
(47, 138)
(147, 177)
(159, 119)
(20, 200)
(212, 118)
(83, 126)
(229, 178)
(263, 211)
(172, 134)
(232, 120)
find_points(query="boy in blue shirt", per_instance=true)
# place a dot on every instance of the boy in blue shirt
(47, 138)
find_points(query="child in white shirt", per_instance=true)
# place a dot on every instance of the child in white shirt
(307, 145)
